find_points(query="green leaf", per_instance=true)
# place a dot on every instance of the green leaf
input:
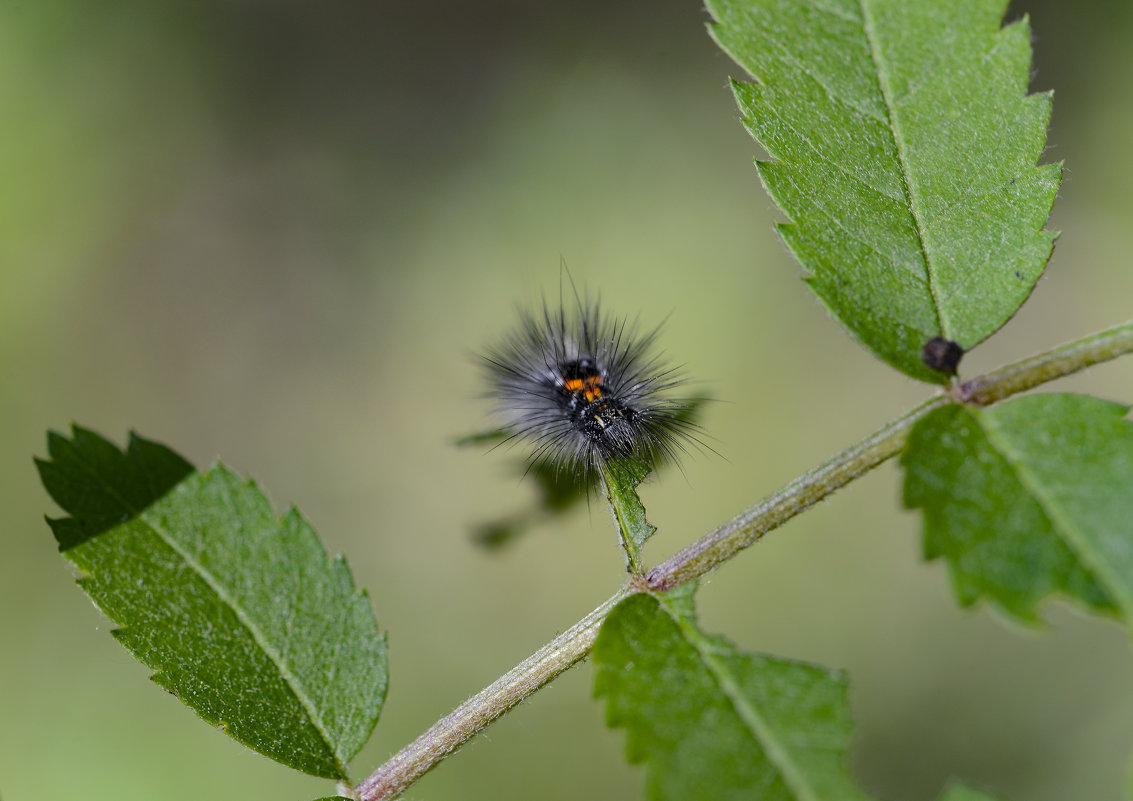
(1028, 498)
(557, 492)
(713, 723)
(491, 436)
(242, 615)
(100, 485)
(620, 479)
(903, 149)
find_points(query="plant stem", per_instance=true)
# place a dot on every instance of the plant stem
(721, 544)
(748, 527)
(1061, 361)
(454, 729)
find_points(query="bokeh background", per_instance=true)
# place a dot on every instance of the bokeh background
(275, 232)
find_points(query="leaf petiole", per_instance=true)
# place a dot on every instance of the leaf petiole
(564, 651)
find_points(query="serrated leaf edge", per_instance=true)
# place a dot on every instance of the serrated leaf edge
(1017, 28)
(751, 717)
(1069, 534)
(257, 635)
(900, 149)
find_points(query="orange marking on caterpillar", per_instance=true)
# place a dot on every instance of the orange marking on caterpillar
(590, 387)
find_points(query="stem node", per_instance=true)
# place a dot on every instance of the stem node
(720, 545)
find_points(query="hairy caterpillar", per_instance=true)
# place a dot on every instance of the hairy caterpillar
(584, 387)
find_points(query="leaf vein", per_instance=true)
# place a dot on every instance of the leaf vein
(837, 221)
(805, 67)
(900, 148)
(254, 630)
(1067, 531)
(758, 727)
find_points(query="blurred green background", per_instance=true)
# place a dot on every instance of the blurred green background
(274, 232)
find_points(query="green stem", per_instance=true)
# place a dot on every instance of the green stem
(619, 482)
(748, 527)
(716, 547)
(457, 727)
(1064, 360)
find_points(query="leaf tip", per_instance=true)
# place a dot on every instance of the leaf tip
(57, 443)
